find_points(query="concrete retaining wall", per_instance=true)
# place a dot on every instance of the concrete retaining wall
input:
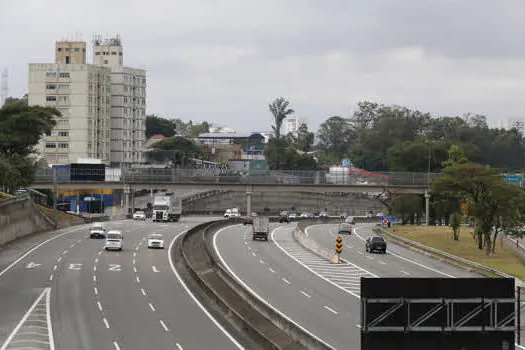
(20, 217)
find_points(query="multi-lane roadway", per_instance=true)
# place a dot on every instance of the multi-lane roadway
(67, 292)
(320, 297)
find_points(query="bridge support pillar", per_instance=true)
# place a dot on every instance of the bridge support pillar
(127, 198)
(427, 208)
(248, 201)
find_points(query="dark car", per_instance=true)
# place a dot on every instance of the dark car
(375, 243)
(283, 217)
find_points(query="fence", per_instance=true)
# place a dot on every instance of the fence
(217, 175)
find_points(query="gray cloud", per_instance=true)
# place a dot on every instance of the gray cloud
(224, 61)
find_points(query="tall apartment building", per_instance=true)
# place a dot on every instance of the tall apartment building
(518, 124)
(292, 125)
(103, 105)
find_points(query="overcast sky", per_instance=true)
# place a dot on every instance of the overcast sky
(224, 60)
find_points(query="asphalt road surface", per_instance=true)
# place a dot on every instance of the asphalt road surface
(318, 296)
(69, 293)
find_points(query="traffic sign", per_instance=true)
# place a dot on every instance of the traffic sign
(339, 245)
(390, 218)
(514, 179)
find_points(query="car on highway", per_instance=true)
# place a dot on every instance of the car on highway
(248, 220)
(155, 240)
(139, 215)
(346, 228)
(98, 230)
(323, 214)
(292, 216)
(375, 243)
(283, 217)
(350, 220)
(227, 213)
(306, 215)
(114, 240)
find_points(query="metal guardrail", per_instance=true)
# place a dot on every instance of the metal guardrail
(221, 176)
(442, 253)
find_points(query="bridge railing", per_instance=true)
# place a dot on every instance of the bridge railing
(156, 176)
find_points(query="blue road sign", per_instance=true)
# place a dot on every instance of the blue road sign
(391, 218)
(513, 178)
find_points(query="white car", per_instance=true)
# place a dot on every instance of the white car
(228, 213)
(139, 215)
(155, 240)
(114, 240)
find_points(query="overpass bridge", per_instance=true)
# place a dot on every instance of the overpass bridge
(282, 181)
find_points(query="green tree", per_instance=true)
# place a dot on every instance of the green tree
(490, 199)
(455, 156)
(197, 129)
(279, 109)
(177, 143)
(15, 100)
(156, 125)
(409, 207)
(413, 156)
(303, 140)
(455, 223)
(334, 137)
(281, 155)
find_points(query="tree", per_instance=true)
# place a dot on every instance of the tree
(490, 199)
(280, 110)
(334, 135)
(303, 140)
(413, 156)
(15, 100)
(197, 129)
(455, 156)
(455, 223)
(22, 126)
(408, 207)
(280, 154)
(156, 125)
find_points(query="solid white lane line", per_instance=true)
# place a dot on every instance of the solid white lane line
(403, 258)
(272, 271)
(138, 279)
(115, 344)
(105, 322)
(151, 307)
(306, 295)
(194, 298)
(257, 295)
(35, 248)
(164, 326)
(96, 290)
(406, 273)
(143, 291)
(99, 305)
(285, 280)
(48, 318)
(24, 318)
(331, 310)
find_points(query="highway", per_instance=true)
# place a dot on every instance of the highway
(67, 292)
(320, 297)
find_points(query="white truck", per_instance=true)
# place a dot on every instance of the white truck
(166, 208)
(261, 227)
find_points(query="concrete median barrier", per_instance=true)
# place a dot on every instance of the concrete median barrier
(256, 325)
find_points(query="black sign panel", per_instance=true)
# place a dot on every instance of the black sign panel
(88, 172)
(437, 313)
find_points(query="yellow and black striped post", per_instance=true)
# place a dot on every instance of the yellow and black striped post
(339, 248)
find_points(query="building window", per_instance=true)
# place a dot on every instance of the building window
(63, 86)
(63, 157)
(51, 145)
(67, 49)
(51, 86)
(63, 75)
(63, 145)
(90, 145)
(120, 53)
(63, 98)
(97, 53)
(51, 98)
(105, 61)
(125, 100)
(59, 49)
(113, 53)
(51, 74)
(77, 49)
(63, 133)
(62, 122)
(143, 80)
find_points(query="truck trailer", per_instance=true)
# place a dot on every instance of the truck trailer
(261, 227)
(166, 208)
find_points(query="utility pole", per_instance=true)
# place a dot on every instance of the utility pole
(4, 88)
(55, 195)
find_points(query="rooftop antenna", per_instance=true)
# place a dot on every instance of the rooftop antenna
(4, 89)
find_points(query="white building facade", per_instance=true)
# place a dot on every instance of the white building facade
(292, 125)
(103, 105)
